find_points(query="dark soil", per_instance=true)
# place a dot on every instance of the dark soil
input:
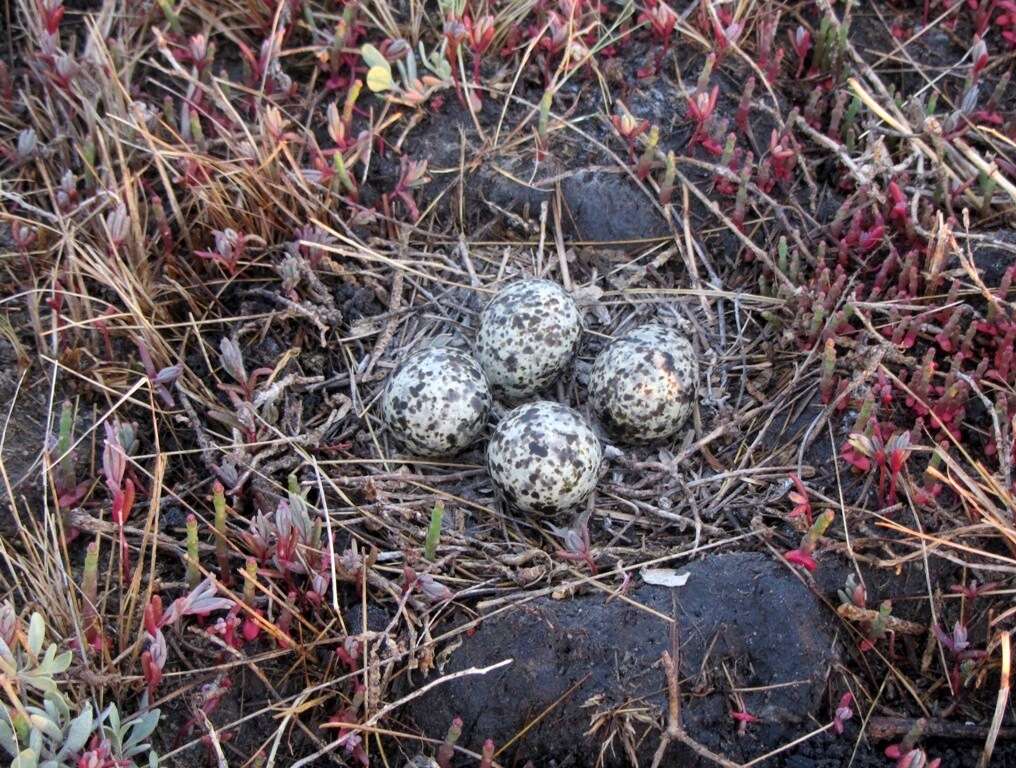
(24, 398)
(828, 752)
(586, 659)
(993, 254)
(600, 202)
(595, 659)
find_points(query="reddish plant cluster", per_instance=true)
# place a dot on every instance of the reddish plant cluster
(114, 469)
(769, 55)
(228, 251)
(200, 602)
(962, 656)
(576, 544)
(743, 718)
(961, 349)
(661, 19)
(289, 549)
(1005, 22)
(802, 504)
(906, 757)
(844, 712)
(804, 555)
(888, 456)
(347, 720)
(985, 16)
(877, 628)
(462, 33)
(562, 35)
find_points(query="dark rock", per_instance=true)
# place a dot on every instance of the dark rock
(994, 255)
(608, 207)
(598, 205)
(574, 660)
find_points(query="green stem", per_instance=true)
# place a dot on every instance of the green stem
(193, 573)
(250, 576)
(221, 543)
(433, 532)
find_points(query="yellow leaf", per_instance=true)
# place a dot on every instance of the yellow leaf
(379, 79)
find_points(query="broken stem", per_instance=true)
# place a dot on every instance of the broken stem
(675, 729)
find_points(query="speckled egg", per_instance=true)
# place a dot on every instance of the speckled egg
(544, 457)
(642, 384)
(436, 403)
(528, 335)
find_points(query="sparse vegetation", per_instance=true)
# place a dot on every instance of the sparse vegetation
(224, 224)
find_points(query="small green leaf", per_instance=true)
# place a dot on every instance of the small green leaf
(61, 662)
(433, 532)
(36, 633)
(373, 57)
(27, 758)
(114, 718)
(45, 725)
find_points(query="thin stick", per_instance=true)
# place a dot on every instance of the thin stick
(395, 705)
(675, 728)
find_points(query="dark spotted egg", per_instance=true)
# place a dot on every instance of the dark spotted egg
(544, 457)
(528, 335)
(437, 402)
(642, 384)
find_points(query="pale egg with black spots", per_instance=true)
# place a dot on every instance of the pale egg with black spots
(437, 402)
(544, 457)
(527, 337)
(642, 384)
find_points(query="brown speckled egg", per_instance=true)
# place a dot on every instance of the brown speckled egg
(642, 384)
(437, 402)
(528, 335)
(544, 457)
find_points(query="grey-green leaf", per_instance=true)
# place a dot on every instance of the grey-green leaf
(77, 734)
(25, 759)
(142, 728)
(46, 725)
(372, 57)
(36, 633)
(7, 740)
(61, 662)
(114, 718)
(7, 657)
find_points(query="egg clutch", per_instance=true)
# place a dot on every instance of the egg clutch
(542, 456)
